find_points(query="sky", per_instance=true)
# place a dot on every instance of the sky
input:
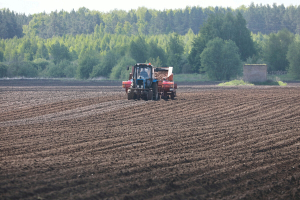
(37, 6)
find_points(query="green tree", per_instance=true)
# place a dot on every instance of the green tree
(276, 48)
(155, 62)
(142, 27)
(41, 64)
(170, 22)
(119, 28)
(105, 64)
(59, 52)
(175, 52)
(28, 49)
(127, 28)
(221, 59)
(27, 69)
(194, 59)
(3, 70)
(9, 26)
(54, 71)
(42, 51)
(63, 69)
(138, 49)
(119, 71)
(242, 38)
(69, 68)
(148, 16)
(293, 57)
(227, 27)
(157, 52)
(99, 30)
(86, 63)
(196, 19)
(1, 56)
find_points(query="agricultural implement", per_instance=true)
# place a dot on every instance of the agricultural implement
(150, 83)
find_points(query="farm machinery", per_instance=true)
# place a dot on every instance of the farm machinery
(150, 83)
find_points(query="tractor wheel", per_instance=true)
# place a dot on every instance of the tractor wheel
(134, 96)
(150, 95)
(145, 96)
(172, 95)
(130, 94)
(155, 92)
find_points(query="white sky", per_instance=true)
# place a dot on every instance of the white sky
(37, 6)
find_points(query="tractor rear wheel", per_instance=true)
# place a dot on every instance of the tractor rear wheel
(130, 94)
(145, 96)
(150, 95)
(172, 95)
(155, 92)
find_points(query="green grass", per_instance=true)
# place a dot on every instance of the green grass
(270, 82)
(241, 82)
(235, 83)
(190, 77)
(284, 77)
(282, 83)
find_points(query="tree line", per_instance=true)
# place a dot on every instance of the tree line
(99, 54)
(224, 42)
(265, 19)
(11, 24)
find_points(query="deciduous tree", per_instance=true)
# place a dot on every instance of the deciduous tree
(276, 48)
(175, 52)
(293, 57)
(221, 59)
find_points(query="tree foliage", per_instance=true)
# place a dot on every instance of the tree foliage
(59, 52)
(86, 63)
(28, 69)
(3, 70)
(157, 53)
(194, 59)
(260, 18)
(9, 26)
(138, 49)
(119, 71)
(276, 48)
(175, 52)
(221, 59)
(105, 64)
(227, 27)
(55, 44)
(293, 56)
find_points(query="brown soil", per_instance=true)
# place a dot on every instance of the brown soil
(91, 143)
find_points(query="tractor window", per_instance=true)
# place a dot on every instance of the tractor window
(143, 72)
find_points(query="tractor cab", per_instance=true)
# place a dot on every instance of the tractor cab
(142, 76)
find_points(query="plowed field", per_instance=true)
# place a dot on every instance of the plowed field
(67, 142)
